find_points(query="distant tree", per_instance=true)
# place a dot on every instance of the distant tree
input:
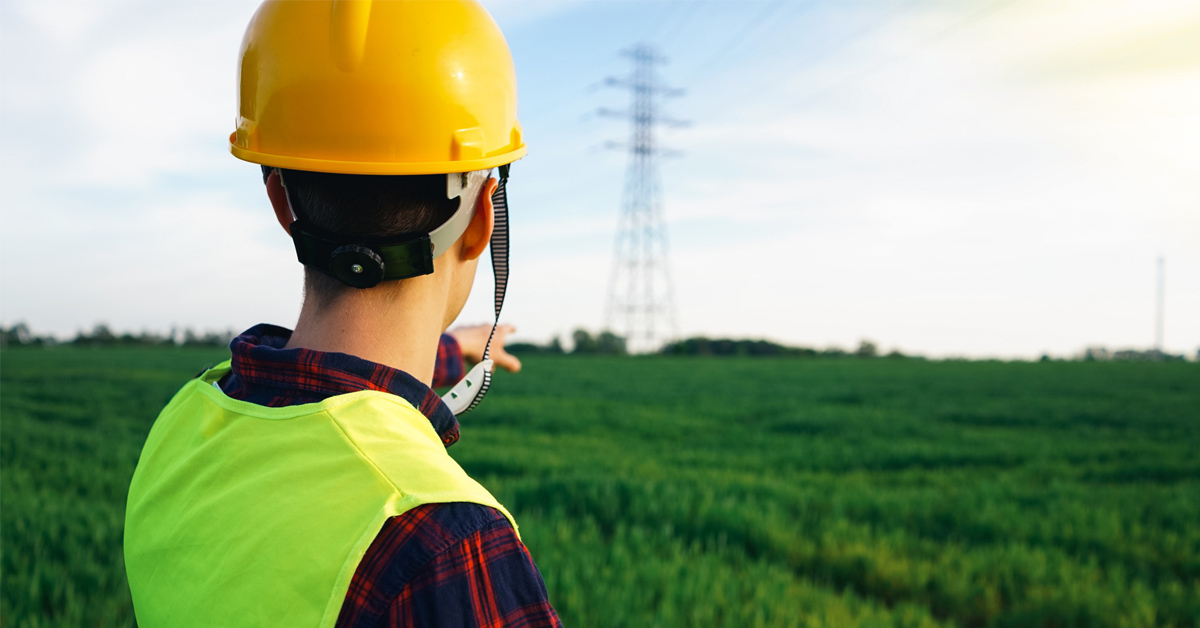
(100, 335)
(151, 339)
(20, 335)
(609, 343)
(16, 336)
(604, 343)
(701, 346)
(208, 339)
(554, 347)
(866, 349)
(584, 343)
(522, 348)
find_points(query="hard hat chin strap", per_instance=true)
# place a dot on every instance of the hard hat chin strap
(469, 391)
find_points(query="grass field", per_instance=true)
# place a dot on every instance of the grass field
(731, 492)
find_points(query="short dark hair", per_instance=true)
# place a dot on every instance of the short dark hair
(364, 205)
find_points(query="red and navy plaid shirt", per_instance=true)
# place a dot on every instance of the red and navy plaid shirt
(438, 565)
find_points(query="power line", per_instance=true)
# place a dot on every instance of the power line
(737, 38)
(663, 18)
(782, 21)
(867, 72)
(693, 8)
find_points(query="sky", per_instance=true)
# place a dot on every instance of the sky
(981, 178)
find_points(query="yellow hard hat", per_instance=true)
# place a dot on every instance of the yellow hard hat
(387, 87)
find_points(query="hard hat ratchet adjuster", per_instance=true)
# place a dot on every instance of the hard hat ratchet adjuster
(362, 262)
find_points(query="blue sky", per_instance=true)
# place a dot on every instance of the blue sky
(984, 178)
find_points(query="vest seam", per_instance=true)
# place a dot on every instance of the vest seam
(403, 494)
(349, 439)
(338, 597)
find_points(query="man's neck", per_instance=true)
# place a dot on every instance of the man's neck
(380, 330)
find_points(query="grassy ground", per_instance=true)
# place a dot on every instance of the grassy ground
(677, 492)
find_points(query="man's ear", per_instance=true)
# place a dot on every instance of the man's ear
(278, 196)
(479, 232)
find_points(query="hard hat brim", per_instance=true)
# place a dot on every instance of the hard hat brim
(383, 168)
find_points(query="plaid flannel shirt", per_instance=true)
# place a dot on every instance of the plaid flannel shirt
(453, 565)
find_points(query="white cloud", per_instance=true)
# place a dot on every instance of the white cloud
(119, 94)
(64, 22)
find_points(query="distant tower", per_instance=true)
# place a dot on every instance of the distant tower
(1159, 305)
(640, 294)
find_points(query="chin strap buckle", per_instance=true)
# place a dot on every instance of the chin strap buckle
(469, 389)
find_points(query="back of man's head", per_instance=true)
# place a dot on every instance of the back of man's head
(365, 206)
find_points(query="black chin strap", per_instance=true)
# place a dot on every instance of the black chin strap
(499, 246)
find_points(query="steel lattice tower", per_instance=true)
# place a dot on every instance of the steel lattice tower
(640, 303)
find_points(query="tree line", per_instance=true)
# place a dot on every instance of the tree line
(20, 335)
(583, 342)
(608, 343)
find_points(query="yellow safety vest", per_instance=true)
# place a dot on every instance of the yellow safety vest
(244, 515)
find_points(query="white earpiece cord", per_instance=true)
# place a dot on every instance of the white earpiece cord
(468, 392)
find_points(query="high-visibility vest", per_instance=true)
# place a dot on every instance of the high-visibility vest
(244, 515)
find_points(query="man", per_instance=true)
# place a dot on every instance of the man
(306, 482)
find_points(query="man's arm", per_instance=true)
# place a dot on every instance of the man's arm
(467, 343)
(448, 566)
(449, 366)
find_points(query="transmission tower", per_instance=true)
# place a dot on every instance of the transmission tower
(1158, 313)
(641, 297)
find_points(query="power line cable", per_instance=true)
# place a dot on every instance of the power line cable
(772, 77)
(669, 23)
(693, 8)
(870, 70)
(737, 38)
(656, 24)
(893, 60)
(781, 22)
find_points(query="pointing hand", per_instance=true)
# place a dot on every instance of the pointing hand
(473, 338)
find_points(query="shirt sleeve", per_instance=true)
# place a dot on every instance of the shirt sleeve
(456, 565)
(487, 579)
(449, 366)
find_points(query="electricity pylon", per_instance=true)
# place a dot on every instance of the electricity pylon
(641, 300)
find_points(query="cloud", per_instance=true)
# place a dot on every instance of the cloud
(120, 94)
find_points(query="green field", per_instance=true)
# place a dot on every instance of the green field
(719, 492)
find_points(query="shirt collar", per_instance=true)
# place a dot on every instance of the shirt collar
(264, 370)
